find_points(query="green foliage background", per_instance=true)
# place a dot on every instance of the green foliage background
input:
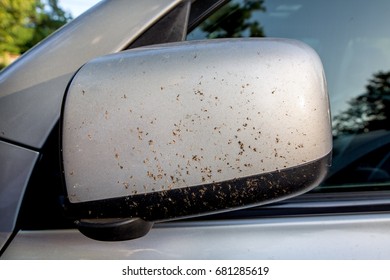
(23, 23)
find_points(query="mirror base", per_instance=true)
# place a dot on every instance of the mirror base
(114, 229)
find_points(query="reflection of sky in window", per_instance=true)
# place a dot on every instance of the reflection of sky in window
(283, 11)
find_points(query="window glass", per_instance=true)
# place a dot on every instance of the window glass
(353, 41)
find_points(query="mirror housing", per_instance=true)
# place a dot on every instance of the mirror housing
(190, 128)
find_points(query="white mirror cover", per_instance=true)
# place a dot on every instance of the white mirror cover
(171, 117)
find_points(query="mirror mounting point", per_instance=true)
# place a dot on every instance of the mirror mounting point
(113, 229)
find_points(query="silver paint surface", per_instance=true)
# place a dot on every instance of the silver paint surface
(15, 172)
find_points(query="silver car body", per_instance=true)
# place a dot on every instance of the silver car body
(345, 237)
(31, 93)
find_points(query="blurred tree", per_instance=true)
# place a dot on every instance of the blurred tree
(23, 23)
(48, 19)
(235, 20)
(15, 17)
(367, 112)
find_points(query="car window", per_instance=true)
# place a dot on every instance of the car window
(353, 42)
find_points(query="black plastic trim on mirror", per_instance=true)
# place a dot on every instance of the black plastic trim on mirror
(114, 229)
(200, 200)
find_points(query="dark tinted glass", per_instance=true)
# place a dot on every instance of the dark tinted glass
(353, 41)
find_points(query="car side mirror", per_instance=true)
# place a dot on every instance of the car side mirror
(191, 128)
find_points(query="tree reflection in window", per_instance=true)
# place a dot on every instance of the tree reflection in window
(367, 112)
(235, 20)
